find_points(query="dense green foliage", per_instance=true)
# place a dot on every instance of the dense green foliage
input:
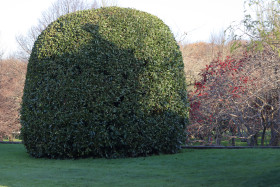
(242, 167)
(104, 83)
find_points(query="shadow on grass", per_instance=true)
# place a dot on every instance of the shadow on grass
(244, 167)
(267, 178)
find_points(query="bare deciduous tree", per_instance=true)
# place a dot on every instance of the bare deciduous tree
(238, 98)
(57, 9)
(12, 77)
(1, 49)
(197, 55)
(260, 25)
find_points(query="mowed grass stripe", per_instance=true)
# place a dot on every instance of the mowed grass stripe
(244, 167)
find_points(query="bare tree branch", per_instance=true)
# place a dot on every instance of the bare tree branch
(57, 9)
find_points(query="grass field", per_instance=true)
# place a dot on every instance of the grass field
(246, 167)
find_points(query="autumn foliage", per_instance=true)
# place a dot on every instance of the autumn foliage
(210, 102)
(12, 76)
(236, 98)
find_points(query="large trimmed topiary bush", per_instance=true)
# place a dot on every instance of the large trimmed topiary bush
(104, 83)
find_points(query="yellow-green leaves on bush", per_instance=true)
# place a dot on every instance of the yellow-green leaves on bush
(104, 83)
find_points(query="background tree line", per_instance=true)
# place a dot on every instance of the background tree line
(234, 90)
(239, 97)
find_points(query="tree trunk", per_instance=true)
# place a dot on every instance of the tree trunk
(275, 127)
(275, 135)
(253, 141)
(263, 136)
(218, 140)
(234, 131)
(233, 142)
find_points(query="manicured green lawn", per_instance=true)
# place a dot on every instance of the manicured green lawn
(245, 167)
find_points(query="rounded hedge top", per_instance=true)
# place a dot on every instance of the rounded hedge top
(104, 83)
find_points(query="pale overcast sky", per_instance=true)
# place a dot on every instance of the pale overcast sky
(198, 18)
